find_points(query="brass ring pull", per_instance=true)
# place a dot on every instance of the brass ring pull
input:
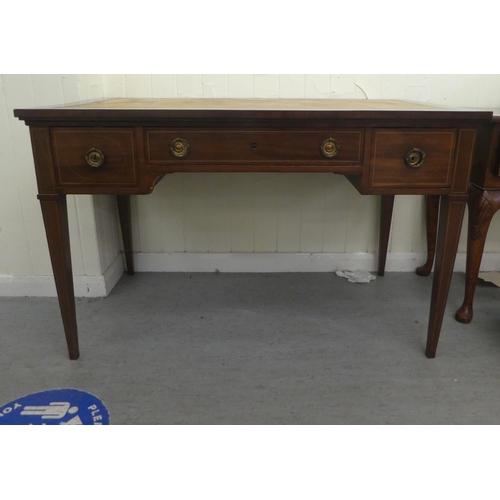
(330, 148)
(179, 147)
(414, 158)
(95, 158)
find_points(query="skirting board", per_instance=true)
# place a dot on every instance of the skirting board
(289, 262)
(101, 286)
(43, 286)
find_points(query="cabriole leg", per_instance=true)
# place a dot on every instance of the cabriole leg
(431, 223)
(482, 207)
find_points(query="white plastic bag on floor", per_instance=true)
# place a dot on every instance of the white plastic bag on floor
(356, 276)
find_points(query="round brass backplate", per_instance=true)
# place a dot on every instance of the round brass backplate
(414, 158)
(330, 148)
(179, 147)
(95, 158)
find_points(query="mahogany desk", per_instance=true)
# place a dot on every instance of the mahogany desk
(124, 147)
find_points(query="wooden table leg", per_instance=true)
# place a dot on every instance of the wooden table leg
(431, 223)
(55, 218)
(387, 205)
(124, 214)
(450, 224)
(482, 207)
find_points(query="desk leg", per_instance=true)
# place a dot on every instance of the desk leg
(387, 205)
(482, 207)
(450, 224)
(55, 218)
(124, 214)
(431, 223)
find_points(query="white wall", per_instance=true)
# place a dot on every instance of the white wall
(24, 260)
(203, 222)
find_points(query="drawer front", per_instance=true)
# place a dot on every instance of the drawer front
(71, 146)
(413, 158)
(301, 147)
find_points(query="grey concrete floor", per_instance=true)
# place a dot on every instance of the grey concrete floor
(262, 349)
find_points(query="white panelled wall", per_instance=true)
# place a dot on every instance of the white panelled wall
(207, 222)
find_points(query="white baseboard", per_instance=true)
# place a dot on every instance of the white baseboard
(101, 286)
(112, 274)
(43, 286)
(290, 262)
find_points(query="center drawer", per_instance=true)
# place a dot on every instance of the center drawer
(344, 147)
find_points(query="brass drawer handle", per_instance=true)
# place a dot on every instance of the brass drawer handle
(179, 147)
(95, 158)
(414, 158)
(330, 148)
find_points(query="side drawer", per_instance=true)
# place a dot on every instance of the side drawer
(259, 146)
(71, 146)
(412, 158)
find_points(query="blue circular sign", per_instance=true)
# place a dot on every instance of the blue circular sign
(55, 407)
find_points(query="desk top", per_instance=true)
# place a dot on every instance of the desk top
(149, 108)
(253, 104)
